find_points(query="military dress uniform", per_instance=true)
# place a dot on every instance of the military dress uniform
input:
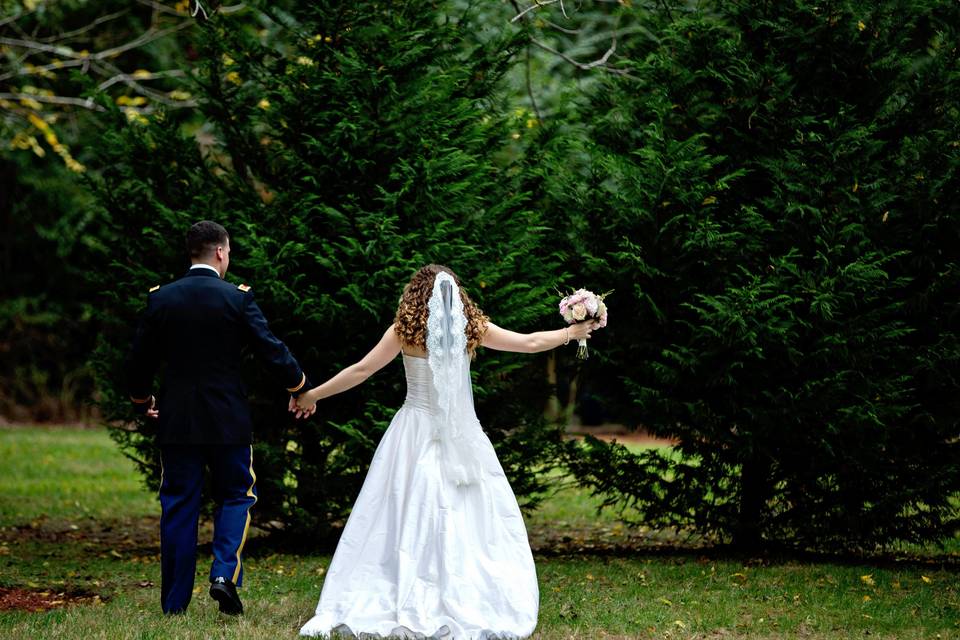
(199, 326)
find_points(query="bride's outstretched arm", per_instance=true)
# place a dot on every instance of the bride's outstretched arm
(504, 340)
(385, 351)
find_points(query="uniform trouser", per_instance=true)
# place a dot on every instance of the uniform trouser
(234, 492)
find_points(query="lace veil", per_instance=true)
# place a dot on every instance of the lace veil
(450, 370)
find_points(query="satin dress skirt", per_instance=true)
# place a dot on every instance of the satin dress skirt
(421, 556)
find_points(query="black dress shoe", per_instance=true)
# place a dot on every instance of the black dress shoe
(225, 592)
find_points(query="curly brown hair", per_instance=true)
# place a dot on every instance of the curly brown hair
(410, 322)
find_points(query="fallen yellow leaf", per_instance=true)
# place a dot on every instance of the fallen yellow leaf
(926, 579)
(868, 580)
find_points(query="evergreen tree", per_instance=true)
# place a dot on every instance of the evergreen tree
(357, 143)
(770, 194)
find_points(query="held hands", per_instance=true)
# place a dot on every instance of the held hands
(303, 406)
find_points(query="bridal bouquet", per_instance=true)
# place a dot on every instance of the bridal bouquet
(580, 306)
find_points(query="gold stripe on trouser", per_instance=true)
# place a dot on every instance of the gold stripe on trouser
(246, 527)
(160, 488)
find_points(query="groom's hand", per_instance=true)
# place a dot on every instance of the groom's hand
(147, 408)
(153, 412)
(299, 411)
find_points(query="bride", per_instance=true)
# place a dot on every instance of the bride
(435, 545)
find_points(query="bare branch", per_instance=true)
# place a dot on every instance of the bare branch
(148, 37)
(121, 76)
(131, 82)
(536, 5)
(619, 33)
(586, 66)
(84, 29)
(86, 103)
(37, 46)
(600, 63)
(40, 70)
(66, 52)
(7, 21)
(198, 8)
(570, 32)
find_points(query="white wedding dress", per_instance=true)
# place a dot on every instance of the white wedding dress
(424, 555)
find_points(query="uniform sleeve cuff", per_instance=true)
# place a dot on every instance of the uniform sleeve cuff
(303, 381)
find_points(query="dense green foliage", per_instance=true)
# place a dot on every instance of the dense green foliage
(771, 195)
(767, 187)
(354, 147)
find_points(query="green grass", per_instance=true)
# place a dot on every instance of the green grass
(66, 474)
(74, 518)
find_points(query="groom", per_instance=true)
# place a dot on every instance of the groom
(199, 325)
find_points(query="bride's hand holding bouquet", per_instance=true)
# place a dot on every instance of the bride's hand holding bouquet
(586, 309)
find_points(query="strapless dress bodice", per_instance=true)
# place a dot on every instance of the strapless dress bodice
(420, 393)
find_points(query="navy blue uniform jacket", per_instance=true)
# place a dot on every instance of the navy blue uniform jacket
(200, 325)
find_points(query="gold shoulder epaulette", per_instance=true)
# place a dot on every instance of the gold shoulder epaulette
(243, 287)
(152, 289)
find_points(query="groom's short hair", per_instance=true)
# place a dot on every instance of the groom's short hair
(204, 237)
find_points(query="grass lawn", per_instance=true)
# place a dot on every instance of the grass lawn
(75, 520)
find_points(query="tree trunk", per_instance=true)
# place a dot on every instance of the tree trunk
(754, 489)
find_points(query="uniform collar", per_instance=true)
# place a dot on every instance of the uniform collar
(203, 270)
